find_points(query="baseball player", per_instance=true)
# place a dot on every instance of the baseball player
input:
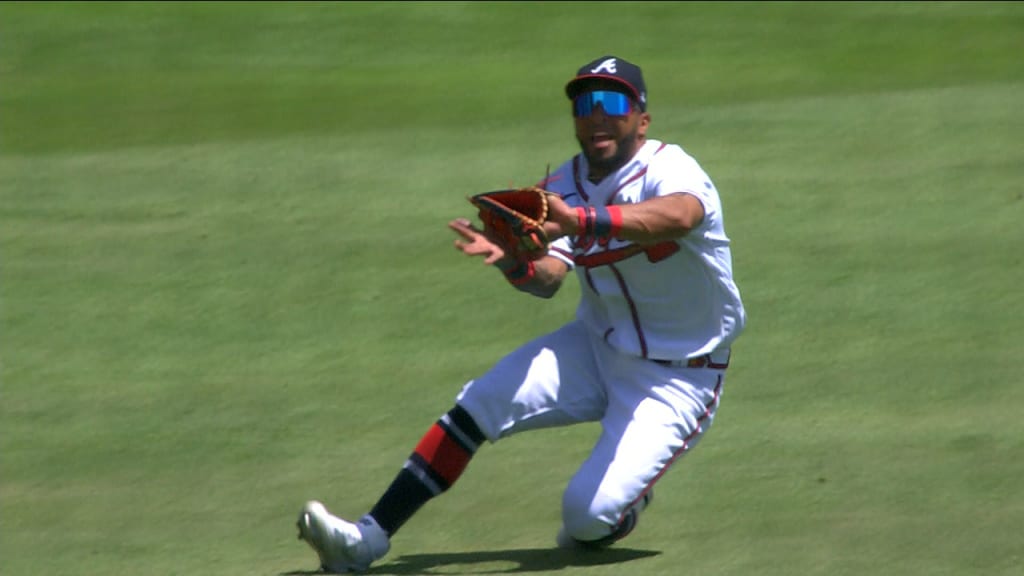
(641, 224)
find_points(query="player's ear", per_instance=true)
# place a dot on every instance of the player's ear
(645, 121)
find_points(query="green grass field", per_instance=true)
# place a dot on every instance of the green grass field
(226, 283)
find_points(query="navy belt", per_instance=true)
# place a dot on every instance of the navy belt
(705, 361)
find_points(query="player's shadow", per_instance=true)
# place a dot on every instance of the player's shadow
(499, 561)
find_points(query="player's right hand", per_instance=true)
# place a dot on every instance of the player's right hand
(474, 242)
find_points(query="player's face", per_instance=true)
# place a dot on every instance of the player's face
(609, 132)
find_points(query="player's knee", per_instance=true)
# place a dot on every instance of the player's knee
(582, 519)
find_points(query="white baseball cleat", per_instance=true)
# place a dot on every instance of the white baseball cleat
(342, 546)
(629, 520)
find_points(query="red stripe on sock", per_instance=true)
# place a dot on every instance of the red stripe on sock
(443, 454)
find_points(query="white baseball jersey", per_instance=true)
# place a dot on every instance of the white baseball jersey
(668, 301)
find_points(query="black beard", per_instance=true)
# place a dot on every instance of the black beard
(625, 147)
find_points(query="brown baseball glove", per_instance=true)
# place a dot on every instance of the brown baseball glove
(515, 217)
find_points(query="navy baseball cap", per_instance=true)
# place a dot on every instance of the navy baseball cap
(610, 68)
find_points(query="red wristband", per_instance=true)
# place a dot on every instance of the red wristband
(521, 274)
(581, 221)
(616, 213)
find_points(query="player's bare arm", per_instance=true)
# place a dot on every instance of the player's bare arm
(655, 220)
(545, 277)
(662, 218)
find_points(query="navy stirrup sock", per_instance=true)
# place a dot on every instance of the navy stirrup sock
(437, 462)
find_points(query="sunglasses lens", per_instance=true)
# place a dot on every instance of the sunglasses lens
(613, 103)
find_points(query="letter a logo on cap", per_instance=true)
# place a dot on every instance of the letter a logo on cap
(608, 65)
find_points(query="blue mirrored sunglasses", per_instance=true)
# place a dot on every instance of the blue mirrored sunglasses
(613, 103)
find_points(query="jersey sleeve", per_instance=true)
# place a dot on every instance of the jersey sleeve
(562, 249)
(673, 171)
